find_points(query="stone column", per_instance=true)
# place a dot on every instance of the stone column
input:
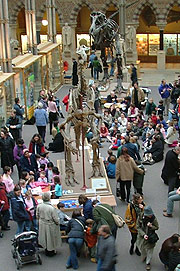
(5, 50)
(161, 56)
(51, 17)
(31, 26)
(122, 17)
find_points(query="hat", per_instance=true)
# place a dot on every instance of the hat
(43, 154)
(25, 150)
(148, 211)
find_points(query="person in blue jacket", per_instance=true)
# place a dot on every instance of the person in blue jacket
(28, 162)
(111, 167)
(87, 206)
(41, 118)
(19, 213)
(165, 92)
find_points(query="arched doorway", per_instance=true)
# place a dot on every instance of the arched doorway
(83, 25)
(44, 29)
(171, 36)
(148, 37)
(21, 30)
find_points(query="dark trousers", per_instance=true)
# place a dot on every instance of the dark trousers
(172, 183)
(92, 70)
(42, 131)
(52, 118)
(125, 195)
(133, 238)
(6, 217)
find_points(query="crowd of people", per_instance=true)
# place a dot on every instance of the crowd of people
(137, 131)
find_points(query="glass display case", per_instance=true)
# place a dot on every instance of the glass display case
(154, 42)
(170, 44)
(51, 65)
(27, 81)
(6, 96)
(142, 44)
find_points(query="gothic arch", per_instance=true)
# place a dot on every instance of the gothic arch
(108, 4)
(169, 6)
(40, 12)
(15, 10)
(78, 7)
(139, 8)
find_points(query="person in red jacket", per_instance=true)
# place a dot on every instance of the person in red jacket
(66, 101)
(36, 145)
(4, 204)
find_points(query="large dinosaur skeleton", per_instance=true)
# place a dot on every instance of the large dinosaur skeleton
(82, 115)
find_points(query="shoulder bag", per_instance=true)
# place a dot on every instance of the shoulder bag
(119, 221)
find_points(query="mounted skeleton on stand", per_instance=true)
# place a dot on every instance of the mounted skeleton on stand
(81, 114)
(105, 33)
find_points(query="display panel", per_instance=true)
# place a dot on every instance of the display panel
(83, 39)
(170, 44)
(154, 41)
(142, 44)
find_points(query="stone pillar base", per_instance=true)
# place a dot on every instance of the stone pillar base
(161, 60)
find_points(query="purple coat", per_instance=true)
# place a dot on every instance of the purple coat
(18, 152)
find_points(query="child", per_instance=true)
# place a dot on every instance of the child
(154, 117)
(58, 187)
(42, 177)
(111, 167)
(56, 172)
(44, 158)
(30, 183)
(50, 172)
(63, 218)
(91, 240)
(31, 205)
(116, 143)
(22, 184)
(160, 108)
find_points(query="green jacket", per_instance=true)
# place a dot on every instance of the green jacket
(150, 108)
(96, 63)
(103, 217)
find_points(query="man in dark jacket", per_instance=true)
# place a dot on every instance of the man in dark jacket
(74, 73)
(133, 74)
(87, 206)
(14, 125)
(28, 162)
(170, 169)
(106, 251)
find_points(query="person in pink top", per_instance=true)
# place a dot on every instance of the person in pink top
(31, 205)
(53, 112)
(7, 180)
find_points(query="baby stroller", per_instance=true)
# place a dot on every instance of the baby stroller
(26, 249)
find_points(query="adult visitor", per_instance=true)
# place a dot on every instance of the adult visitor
(74, 72)
(137, 96)
(49, 235)
(75, 230)
(165, 93)
(96, 65)
(28, 162)
(36, 145)
(87, 206)
(41, 119)
(91, 59)
(125, 168)
(106, 250)
(14, 124)
(170, 168)
(147, 224)
(133, 211)
(133, 74)
(53, 112)
(18, 152)
(19, 108)
(4, 205)
(6, 149)
(19, 213)
(172, 197)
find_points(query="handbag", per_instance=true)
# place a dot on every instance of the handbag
(152, 237)
(100, 68)
(119, 221)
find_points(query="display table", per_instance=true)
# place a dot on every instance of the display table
(117, 105)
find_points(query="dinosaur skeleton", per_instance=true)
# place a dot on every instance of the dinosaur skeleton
(81, 114)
